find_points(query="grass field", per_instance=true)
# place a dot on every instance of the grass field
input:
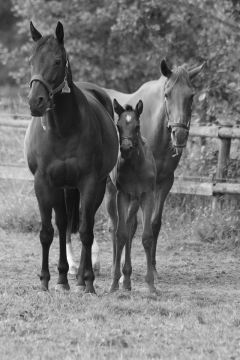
(196, 314)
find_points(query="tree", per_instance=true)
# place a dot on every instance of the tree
(120, 43)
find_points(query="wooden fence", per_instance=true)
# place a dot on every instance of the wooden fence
(182, 185)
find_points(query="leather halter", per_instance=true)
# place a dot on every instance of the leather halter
(50, 90)
(175, 124)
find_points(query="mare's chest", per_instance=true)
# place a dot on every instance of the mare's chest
(62, 161)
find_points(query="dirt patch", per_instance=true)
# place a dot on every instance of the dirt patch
(195, 315)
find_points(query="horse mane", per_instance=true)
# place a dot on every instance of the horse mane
(129, 108)
(178, 73)
(42, 41)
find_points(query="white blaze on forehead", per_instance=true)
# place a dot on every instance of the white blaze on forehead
(128, 118)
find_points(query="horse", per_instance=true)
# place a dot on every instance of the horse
(165, 124)
(71, 146)
(134, 177)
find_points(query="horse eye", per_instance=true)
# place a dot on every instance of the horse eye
(137, 128)
(57, 62)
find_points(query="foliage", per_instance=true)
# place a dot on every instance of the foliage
(120, 43)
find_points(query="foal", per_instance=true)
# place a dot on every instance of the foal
(134, 177)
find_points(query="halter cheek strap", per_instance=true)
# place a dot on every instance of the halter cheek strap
(51, 92)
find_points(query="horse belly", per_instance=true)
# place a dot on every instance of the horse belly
(63, 173)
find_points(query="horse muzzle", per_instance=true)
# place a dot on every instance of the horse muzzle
(126, 151)
(38, 105)
(179, 137)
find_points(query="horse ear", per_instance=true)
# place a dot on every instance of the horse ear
(60, 32)
(195, 71)
(34, 32)
(117, 107)
(139, 108)
(165, 69)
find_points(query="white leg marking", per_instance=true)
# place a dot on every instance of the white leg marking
(73, 267)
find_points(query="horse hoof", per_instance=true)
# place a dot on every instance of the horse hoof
(127, 285)
(62, 287)
(152, 290)
(44, 286)
(73, 270)
(156, 274)
(90, 292)
(114, 288)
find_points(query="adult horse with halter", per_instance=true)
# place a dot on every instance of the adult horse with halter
(71, 146)
(165, 124)
(134, 177)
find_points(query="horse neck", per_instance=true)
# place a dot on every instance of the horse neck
(139, 154)
(160, 137)
(66, 117)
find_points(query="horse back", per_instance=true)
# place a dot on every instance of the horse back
(99, 93)
(106, 131)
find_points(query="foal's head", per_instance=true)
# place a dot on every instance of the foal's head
(178, 97)
(128, 126)
(48, 69)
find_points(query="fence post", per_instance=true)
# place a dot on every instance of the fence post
(223, 158)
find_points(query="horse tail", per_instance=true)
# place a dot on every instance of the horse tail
(72, 200)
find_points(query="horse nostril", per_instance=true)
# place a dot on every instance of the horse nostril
(40, 100)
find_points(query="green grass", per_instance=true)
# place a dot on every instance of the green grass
(195, 315)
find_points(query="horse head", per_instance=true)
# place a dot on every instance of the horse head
(49, 69)
(178, 98)
(128, 126)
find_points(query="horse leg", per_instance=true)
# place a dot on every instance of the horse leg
(91, 197)
(147, 202)
(161, 193)
(43, 194)
(61, 222)
(111, 206)
(131, 228)
(72, 205)
(95, 247)
(121, 237)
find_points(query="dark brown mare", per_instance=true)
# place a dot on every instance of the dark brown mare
(134, 177)
(70, 151)
(165, 123)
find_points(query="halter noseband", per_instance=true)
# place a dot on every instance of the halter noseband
(175, 124)
(51, 92)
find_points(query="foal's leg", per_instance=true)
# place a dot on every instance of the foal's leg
(92, 194)
(162, 190)
(147, 202)
(111, 206)
(61, 222)
(44, 194)
(131, 228)
(121, 237)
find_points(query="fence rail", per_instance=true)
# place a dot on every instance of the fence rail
(182, 185)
